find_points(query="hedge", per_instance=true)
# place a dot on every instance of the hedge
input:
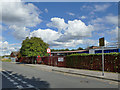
(94, 61)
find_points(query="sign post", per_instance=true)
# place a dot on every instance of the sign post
(103, 60)
(49, 51)
(101, 43)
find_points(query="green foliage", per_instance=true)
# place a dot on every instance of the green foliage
(34, 47)
(60, 49)
(19, 55)
(5, 56)
(66, 49)
(94, 61)
(80, 48)
(86, 54)
(6, 60)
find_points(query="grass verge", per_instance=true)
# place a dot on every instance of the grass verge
(6, 60)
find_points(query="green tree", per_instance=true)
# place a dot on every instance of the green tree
(80, 48)
(66, 49)
(34, 47)
(19, 55)
(73, 49)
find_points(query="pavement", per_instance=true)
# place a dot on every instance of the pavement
(90, 73)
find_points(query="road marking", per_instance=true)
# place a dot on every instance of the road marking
(30, 86)
(15, 77)
(19, 86)
(19, 79)
(11, 80)
(24, 82)
(15, 83)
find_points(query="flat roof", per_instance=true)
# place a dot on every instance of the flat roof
(105, 48)
(69, 51)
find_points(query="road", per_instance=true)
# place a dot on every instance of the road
(23, 76)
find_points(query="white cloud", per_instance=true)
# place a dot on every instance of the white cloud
(101, 7)
(111, 19)
(46, 10)
(73, 43)
(76, 29)
(58, 23)
(86, 7)
(70, 13)
(24, 14)
(83, 17)
(73, 32)
(47, 35)
(6, 48)
(113, 33)
(19, 17)
(10, 1)
(101, 23)
(20, 33)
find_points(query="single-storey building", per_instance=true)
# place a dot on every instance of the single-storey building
(90, 50)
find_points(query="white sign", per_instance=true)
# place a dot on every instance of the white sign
(91, 51)
(48, 50)
(60, 59)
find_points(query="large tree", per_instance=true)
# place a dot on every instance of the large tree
(79, 48)
(34, 47)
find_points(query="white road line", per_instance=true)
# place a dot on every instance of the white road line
(7, 72)
(11, 80)
(19, 79)
(4, 75)
(8, 78)
(15, 77)
(15, 83)
(30, 86)
(24, 82)
(19, 86)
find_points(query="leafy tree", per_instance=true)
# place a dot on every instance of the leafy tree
(66, 49)
(73, 50)
(19, 55)
(34, 47)
(80, 48)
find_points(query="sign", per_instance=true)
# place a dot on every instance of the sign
(91, 51)
(101, 42)
(13, 59)
(60, 59)
(48, 50)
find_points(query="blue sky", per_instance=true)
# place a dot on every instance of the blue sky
(61, 24)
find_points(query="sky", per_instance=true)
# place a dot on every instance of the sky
(60, 24)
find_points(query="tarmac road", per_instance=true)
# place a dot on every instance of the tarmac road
(22, 76)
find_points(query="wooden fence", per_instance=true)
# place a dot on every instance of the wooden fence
(91, 62)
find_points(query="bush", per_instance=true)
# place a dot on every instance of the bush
(94, 61)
